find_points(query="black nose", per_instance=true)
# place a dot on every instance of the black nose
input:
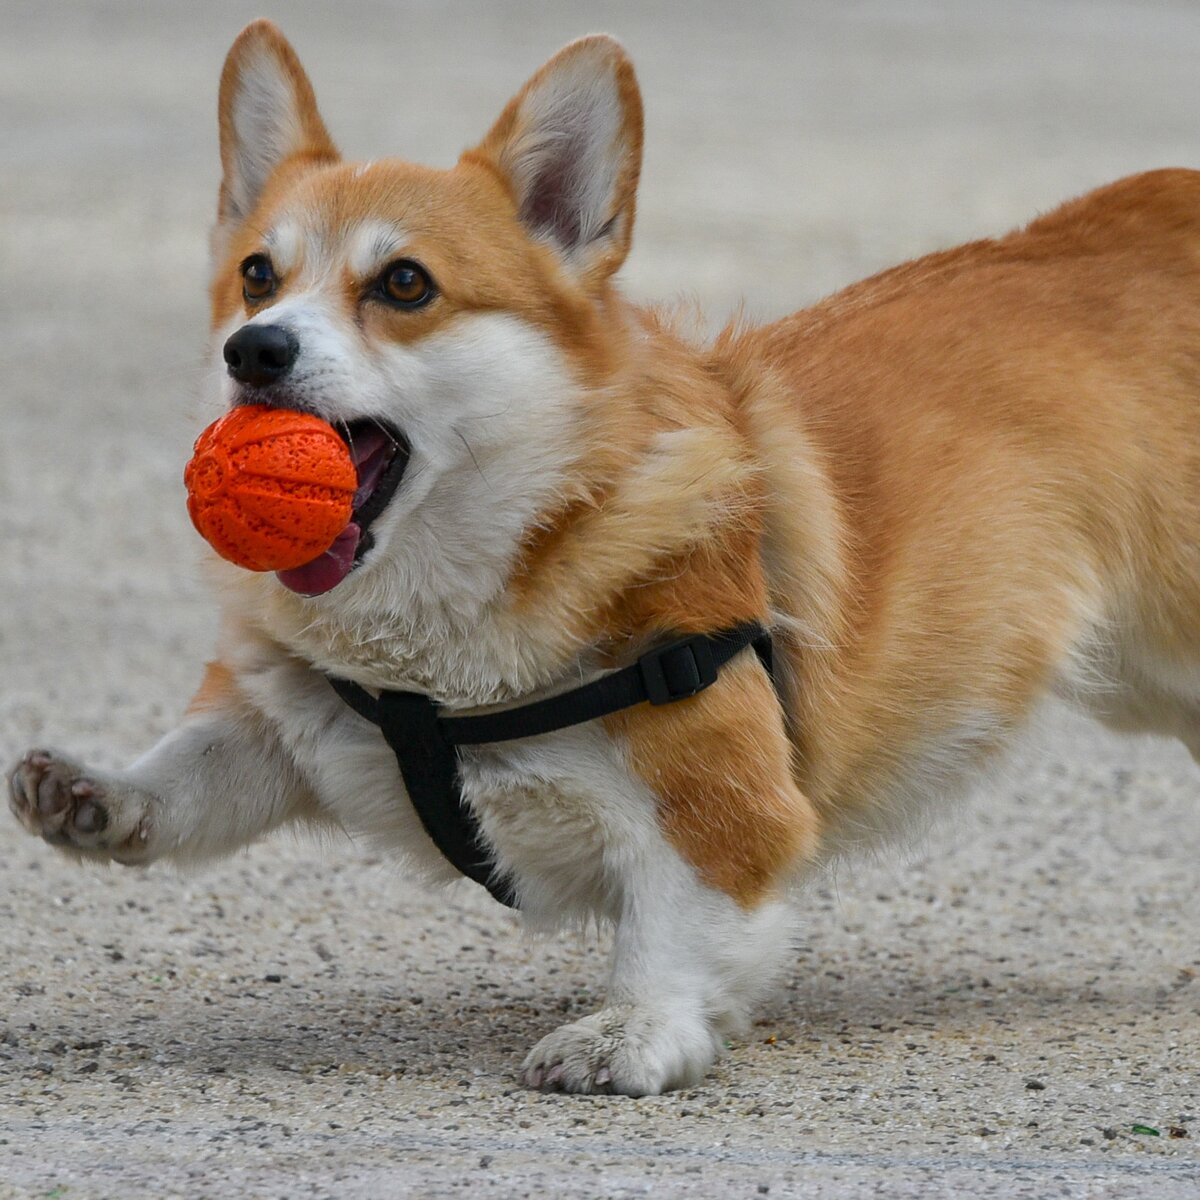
(260, 354)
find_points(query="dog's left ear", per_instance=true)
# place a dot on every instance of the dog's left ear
(569, 145)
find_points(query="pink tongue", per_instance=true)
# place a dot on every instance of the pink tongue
(327, 571)
(372, 452)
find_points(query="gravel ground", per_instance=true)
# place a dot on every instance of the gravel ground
(991, 1012)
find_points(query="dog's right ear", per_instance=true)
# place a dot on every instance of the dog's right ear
(268, 116)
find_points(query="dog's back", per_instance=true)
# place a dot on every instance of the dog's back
(1009, 434)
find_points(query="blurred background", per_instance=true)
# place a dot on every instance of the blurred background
(792, 147)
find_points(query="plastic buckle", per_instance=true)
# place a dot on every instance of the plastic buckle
(678, 670)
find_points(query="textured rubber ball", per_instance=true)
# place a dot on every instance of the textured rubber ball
(270, 489)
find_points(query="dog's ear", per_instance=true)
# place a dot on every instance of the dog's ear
(268, 117)
(569, 146)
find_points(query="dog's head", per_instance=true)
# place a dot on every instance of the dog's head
(454, 324)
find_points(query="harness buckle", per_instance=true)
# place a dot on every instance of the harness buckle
(678, 670)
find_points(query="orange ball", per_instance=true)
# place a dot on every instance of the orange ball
(270, 489)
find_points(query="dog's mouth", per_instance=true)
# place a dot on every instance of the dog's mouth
(380, 453)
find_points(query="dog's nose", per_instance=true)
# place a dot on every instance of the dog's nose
(260, 354)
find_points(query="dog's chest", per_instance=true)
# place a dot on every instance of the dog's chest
(567, 814)
(490, 661)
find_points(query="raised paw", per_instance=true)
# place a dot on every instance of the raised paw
(53, 798)
(622, 1049)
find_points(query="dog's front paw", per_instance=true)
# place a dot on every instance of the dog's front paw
(623, 1049)
(55, 799)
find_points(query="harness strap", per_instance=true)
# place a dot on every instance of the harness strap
(424, 740)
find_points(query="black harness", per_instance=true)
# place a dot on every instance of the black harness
(424, 741)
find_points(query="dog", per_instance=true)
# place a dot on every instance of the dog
(949, 492)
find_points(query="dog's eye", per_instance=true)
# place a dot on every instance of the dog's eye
(407, 284)
(258, 277)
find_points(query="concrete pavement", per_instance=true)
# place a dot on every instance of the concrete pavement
(989, 1012)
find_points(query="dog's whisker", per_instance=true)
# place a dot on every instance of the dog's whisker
(462, 438)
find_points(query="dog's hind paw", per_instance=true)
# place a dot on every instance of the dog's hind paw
(55, 799)
(623, 1049)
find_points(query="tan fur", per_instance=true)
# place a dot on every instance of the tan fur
(976, 463)
(217, 689)
(943, 482)
(745, 825)
(1008, 435)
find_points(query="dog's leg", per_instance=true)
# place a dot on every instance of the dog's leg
(270, 745)
(689, 962)
(218, 781)
(689, 965)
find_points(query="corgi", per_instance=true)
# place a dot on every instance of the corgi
(950, 492)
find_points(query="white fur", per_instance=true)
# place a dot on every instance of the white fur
(217, 782)
(1131, 686)
(372, 245)
(286, 243)
(490, 408)
(266, 126)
